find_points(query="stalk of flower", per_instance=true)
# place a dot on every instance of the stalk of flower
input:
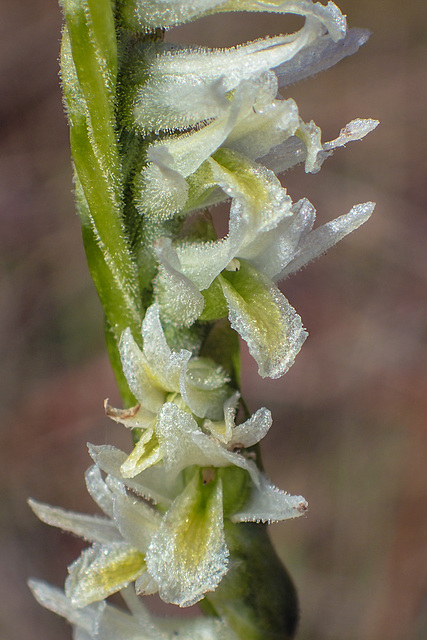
(159, 133)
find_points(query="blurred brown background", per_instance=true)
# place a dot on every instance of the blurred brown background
(350, 417)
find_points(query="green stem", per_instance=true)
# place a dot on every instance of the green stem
(257, 597)
(89, 72)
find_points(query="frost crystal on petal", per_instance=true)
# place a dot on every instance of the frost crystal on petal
(188, 555)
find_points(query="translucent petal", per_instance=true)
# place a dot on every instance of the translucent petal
(269, 124)
(165, 365)
(186, 304)
(135, 369)
(80, 634)
(207, 628)
(330, 16)
(252, 430)
(268, 504)
(137, 607)
(188, 555)
(205, 375)
(136, 417)
(223, 430)
(203, 388)
(184, 444)
(117, 624)
(153, 484)
(102, 570)
(98, 490)
(273, 250)
(263, 317)
(136, 520)
(285, 155)
(55, 600)
(90, 528)
(146, 585)
(320, 55)
(145, 454)
(187, 85)
(322, 238)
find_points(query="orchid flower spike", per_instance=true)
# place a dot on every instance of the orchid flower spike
(160, 132)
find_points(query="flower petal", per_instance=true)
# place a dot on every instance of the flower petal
(320, 55)
(188, 555)
(145, 585)
(267, 503)
(136, 417)
(263, 200)
(273, 250)
(102, 570)
(162, 190)
(90, 528)
(136, 520)
(186, 304)
(204, 388)
(136, 371)
(222, 430)
(153, 484)
(330, 16)
(165, 365)
(188, 85)
(323, 238)
(155, 14)
(260, 313)
(252, 430)
(98, 490)
(55, 600)
(184, 444)
(145, 454)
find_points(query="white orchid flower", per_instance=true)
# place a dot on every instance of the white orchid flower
(155, 14)
(156, 374)
(98, 621)
(189, 85)
(119, 541)
(187, 555)
(177, 548)
(237, 275)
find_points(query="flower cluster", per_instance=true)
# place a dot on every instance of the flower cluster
(166, 502)
(212, 127)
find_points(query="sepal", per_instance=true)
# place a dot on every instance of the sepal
(101, 570)
(263, 317)
(188, 556)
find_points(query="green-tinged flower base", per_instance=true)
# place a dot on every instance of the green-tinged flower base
(257, 597)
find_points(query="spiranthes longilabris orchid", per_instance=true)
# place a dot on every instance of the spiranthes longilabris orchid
(178, 547)
(160, 133)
